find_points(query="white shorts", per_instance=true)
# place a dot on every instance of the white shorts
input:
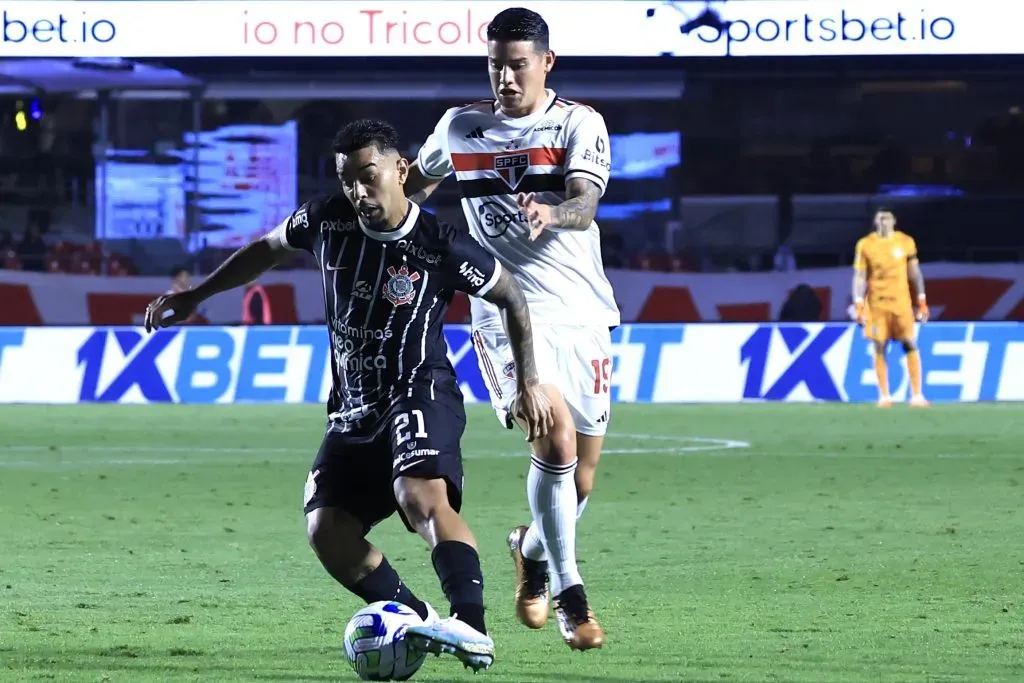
(577, 360)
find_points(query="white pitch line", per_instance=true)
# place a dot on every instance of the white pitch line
(683, 446)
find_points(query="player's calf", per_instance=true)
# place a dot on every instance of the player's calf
(915, 372)
(426, 508)
(338, 540)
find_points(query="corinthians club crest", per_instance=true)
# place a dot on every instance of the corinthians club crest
(401, 286)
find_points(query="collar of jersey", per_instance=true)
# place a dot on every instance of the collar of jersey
(403, 229)
(527, 120)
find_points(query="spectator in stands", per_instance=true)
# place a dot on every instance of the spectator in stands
(785, 259)
(802, 306)
(32, 249)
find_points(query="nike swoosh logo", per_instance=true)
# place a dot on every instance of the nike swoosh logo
(403, 468)
(330, 267)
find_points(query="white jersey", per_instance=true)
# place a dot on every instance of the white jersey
(495, 157)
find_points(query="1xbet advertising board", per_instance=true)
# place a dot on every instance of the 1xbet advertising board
(651, 363)
(457, 28)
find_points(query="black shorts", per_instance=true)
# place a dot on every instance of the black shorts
(418, 437)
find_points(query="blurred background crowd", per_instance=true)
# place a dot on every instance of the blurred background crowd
(720, 165)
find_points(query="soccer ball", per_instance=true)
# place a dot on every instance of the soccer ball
(375, 642)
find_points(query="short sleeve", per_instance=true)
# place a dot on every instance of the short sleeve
(434, 158)
(859, 263)
(295, 232)
(589, 153)
(911, 249)
(468, 266)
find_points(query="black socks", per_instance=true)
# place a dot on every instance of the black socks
(458, 567)
(383, 583)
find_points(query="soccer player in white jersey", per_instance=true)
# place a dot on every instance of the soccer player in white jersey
(532, 167)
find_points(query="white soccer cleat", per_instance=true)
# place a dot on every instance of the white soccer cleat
(454, 637)
(432, 616)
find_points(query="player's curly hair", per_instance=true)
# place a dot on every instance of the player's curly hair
(365, 133)
(518, 23)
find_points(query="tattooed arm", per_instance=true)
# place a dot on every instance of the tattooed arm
(580, 206)
(575, 213)
(508, 296)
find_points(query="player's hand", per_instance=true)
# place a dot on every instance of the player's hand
(171, 309)
(922, 312)
(861, 314)
(538, 215)
(533, 408)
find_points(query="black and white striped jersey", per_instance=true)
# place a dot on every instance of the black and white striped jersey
(385, 296)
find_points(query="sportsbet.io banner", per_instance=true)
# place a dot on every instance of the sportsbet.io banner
(700, 363)
(456, 28)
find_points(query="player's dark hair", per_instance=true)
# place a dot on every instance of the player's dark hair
(518, 23)
(884, 209)
(366, 133)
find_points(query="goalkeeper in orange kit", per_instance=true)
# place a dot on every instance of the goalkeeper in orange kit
(885, 267)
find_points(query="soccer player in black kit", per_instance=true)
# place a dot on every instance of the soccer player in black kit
(395, 412)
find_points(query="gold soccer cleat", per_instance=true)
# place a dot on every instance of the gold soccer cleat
(577, 622)
(531, 583)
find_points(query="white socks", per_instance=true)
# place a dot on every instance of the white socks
(581, 506)
(551, 491)
(533, 545)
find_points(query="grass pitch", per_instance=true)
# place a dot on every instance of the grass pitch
(737, 543)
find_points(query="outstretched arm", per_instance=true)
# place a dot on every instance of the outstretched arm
(508, 296)
(241, 268)
(245, 265)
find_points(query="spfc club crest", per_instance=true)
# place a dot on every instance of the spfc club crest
(509, 370)
(401, 286)
(512, 167)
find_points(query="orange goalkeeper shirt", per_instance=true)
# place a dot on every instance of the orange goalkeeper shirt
(884, 262)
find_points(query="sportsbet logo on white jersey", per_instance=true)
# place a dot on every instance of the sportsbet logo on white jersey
(494, 158)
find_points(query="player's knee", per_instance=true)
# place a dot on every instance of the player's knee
(421, 499)
(559, 447)
(909, 345)
(879, 349)
(324, 529)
